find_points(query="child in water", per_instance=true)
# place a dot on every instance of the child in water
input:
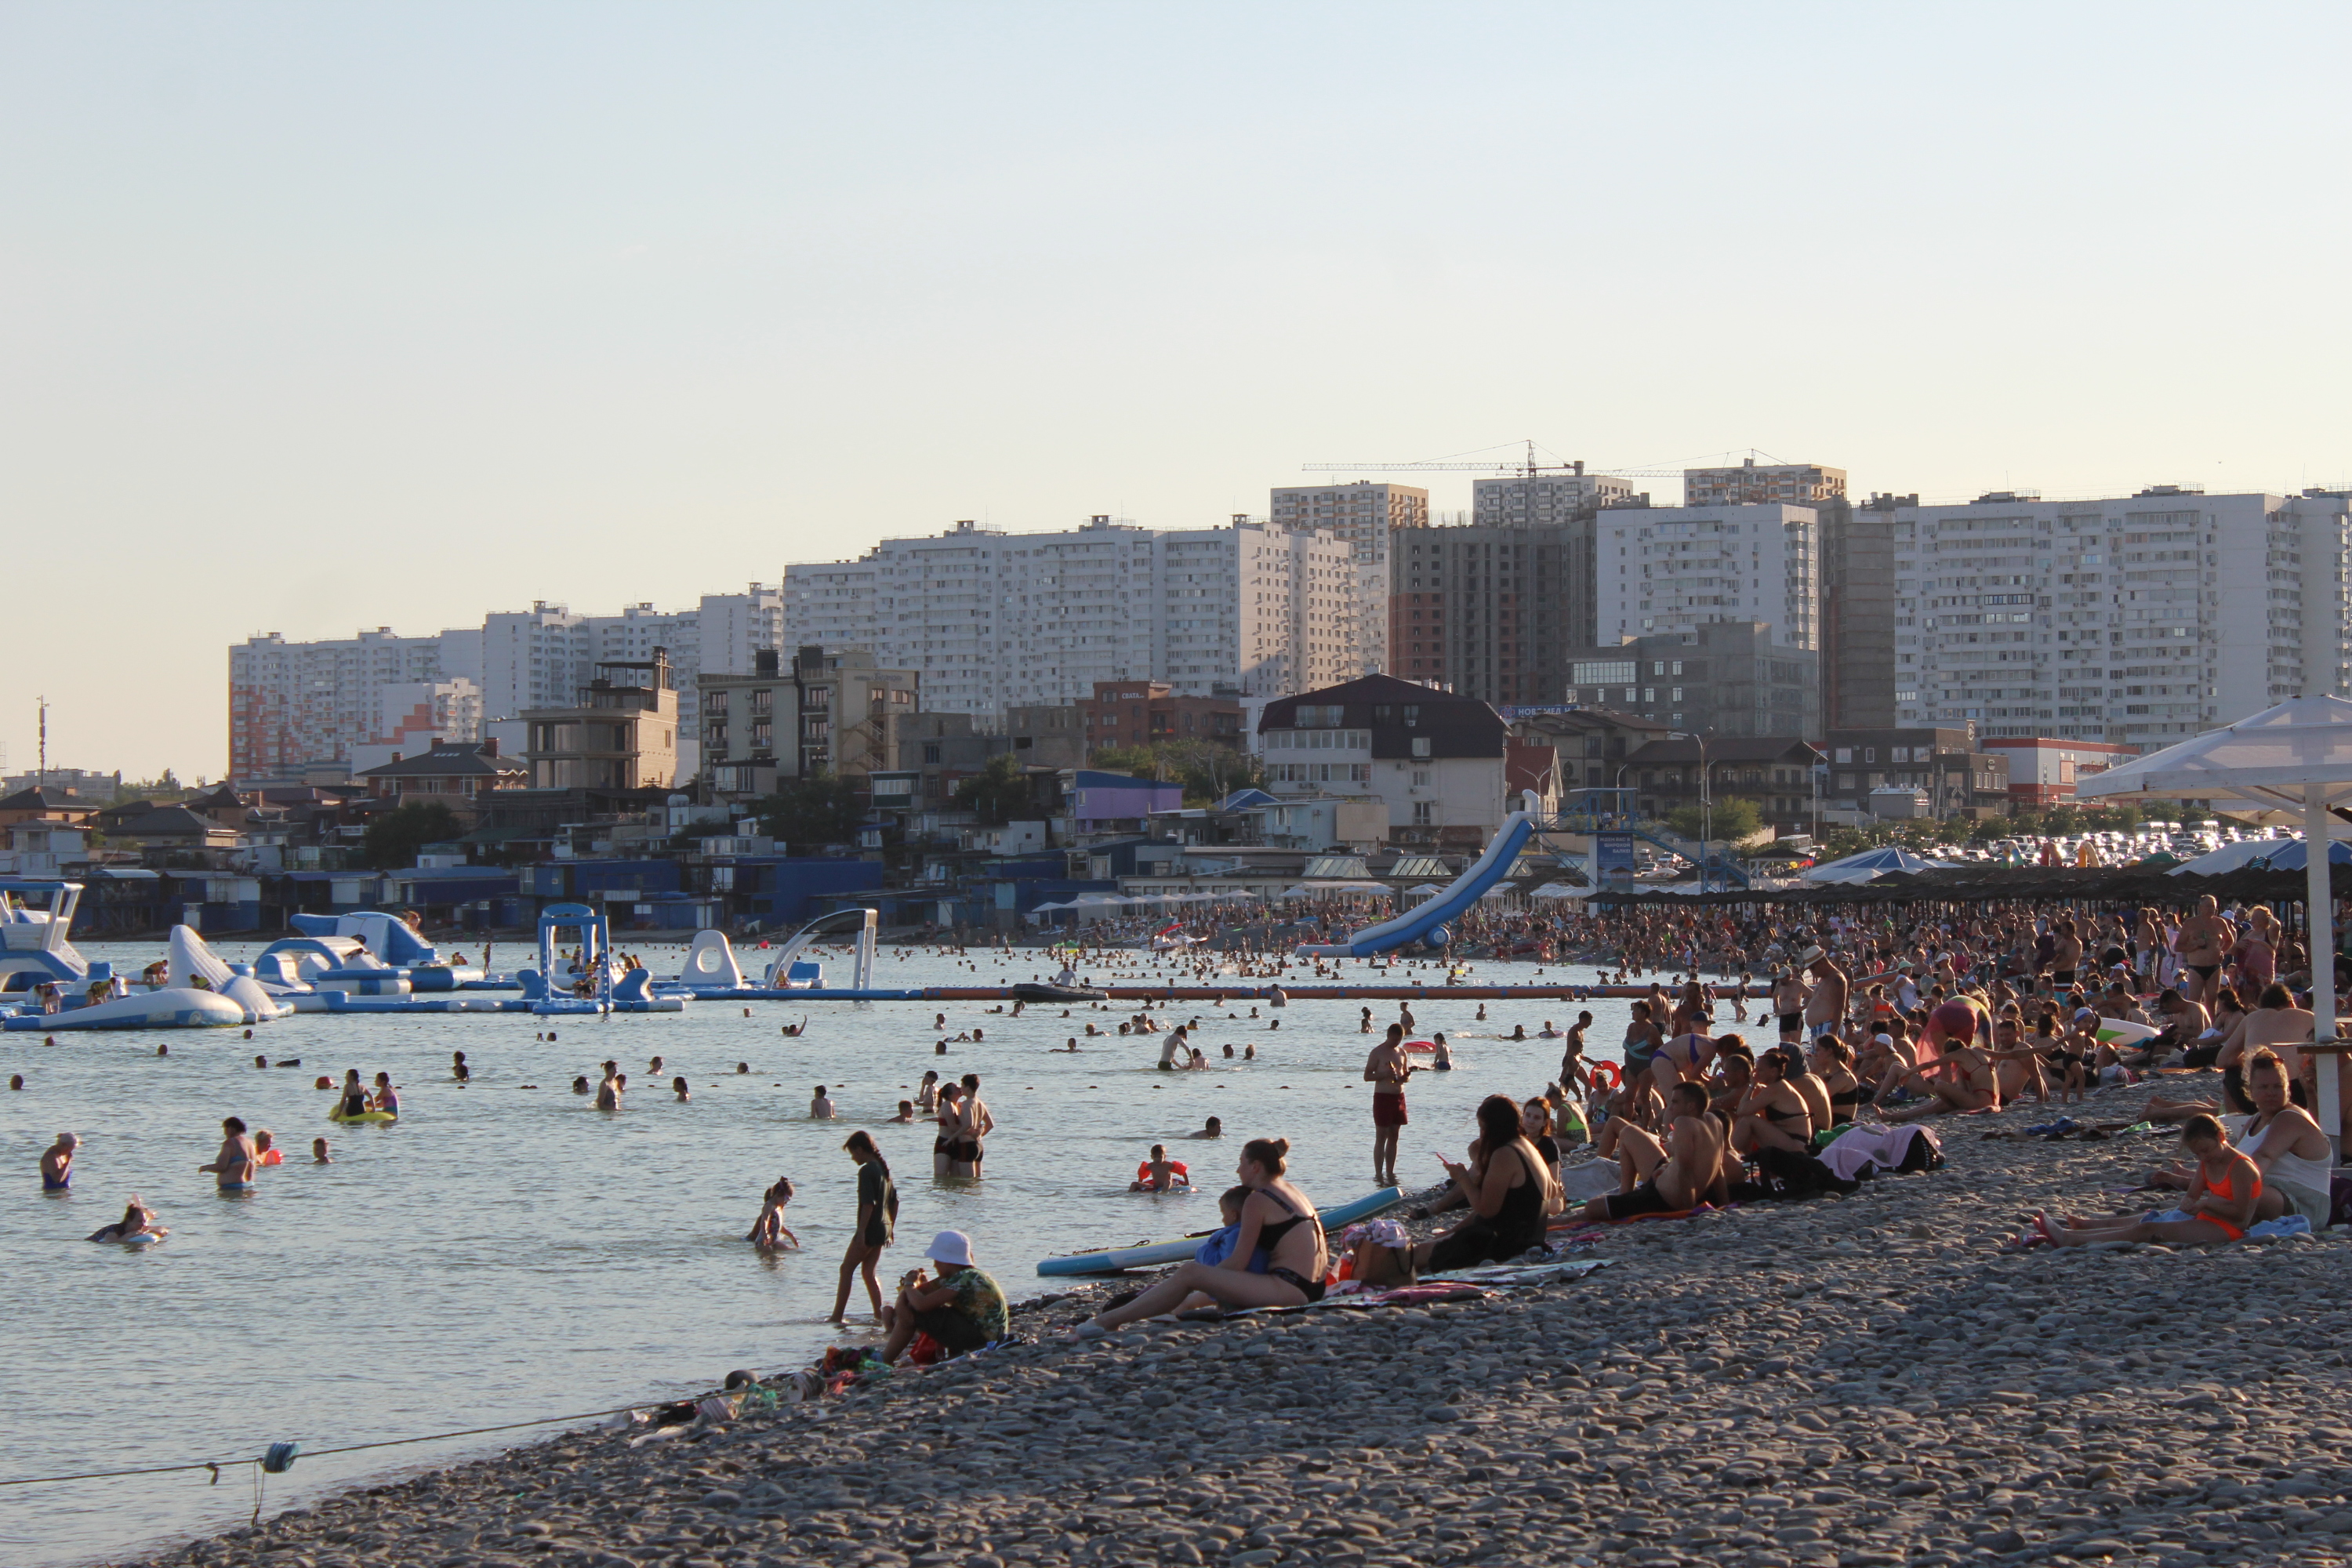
(769, 1229)
(319, 1155)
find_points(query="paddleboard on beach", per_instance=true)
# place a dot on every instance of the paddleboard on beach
(1150, 1254)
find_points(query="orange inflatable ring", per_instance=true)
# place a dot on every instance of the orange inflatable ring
(1143, 1171)
(1423, 1046)
(1605, 1075)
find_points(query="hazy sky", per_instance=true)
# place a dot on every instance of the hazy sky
(316, 318)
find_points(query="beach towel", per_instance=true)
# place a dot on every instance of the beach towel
(1877, 1149)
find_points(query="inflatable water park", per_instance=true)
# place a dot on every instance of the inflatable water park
(373, 962)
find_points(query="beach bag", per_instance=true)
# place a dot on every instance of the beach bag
(1924, 1154)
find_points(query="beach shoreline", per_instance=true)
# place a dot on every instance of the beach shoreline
(1844, 1382)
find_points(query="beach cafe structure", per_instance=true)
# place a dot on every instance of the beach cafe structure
(2297, 756)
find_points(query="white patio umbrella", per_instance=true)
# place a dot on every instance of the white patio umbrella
(1424, 890)
(1559, 891)
(2298, 753)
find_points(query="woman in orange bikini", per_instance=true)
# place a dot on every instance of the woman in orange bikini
(2222, 1192)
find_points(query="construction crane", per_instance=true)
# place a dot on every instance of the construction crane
(1524, 467)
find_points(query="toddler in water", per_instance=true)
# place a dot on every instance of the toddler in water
(769, 1229)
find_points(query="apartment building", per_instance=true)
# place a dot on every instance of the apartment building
(298, 705)
(993, 621)
(2133, 620)
(1767, 484)
(618, 731)
(1143, 712)
(1544, 499)
(1721, 678)
(295, 703)
(1490, 610)
(1675, 569)
(1368, 516)
(1944, 765)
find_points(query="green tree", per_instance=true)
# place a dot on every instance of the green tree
(1208, 770)
(998, 792)
(809, 813)
(1734, 818)
(393, 838)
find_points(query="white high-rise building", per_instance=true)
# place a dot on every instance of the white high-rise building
(1672, 569)
(994, 620)
(292, 703)
(296, 703)
(1367, 516)
(2138, 620)
(1540, 499)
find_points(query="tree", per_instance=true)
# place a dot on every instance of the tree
(1208, 770)
(1734, 817)
(996, 792)
(808, 813)
(393, 838)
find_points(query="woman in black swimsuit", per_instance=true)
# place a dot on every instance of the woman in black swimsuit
(1773, 1114)
(878, 1219)
(1507, 1191)
(1278, 1217)
(1833, 1062)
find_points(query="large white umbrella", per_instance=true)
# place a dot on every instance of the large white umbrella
(2298, 753)
(1559, 891)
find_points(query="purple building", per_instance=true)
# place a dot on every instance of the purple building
(1109, 803)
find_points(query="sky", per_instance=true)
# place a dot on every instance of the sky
(315, 319)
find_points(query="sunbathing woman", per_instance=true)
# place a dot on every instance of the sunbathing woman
(1773, 1114)
(1509, 1189)
(1278, 1217)
(1832, 1061)
(2223, 1194)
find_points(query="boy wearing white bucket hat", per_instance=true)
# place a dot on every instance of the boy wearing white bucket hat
(960, 1307)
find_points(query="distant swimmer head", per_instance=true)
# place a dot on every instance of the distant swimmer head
(742, 1067)
(580, 1085)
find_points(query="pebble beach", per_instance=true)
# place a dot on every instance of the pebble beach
(1851, 1381)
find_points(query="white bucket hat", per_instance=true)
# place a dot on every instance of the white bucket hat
(951, 1247)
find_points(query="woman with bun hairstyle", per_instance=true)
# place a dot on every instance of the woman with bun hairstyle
(1275, 1217)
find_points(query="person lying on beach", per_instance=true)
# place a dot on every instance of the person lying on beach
(1277, 1216)
(1160, 1174)
(1682, 1168)
(2224, 1193)
(1508, 1188)
(769, 1229)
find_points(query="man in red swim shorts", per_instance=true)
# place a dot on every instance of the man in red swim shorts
(1386, 1070)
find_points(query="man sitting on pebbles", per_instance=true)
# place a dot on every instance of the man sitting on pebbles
(1683, 1167)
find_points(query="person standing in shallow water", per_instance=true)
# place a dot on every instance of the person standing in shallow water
(1386, 1070)
(877, 1215)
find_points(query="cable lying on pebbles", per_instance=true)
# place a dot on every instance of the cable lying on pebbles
(1841, 1383)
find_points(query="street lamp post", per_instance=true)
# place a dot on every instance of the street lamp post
(1706, 800)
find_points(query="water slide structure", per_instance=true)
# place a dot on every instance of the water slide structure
(1427, 922)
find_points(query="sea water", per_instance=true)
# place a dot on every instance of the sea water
(504, 1252)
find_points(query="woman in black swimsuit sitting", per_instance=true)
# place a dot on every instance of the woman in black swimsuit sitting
(1833, 1062)
(1508, 1191)
(1772, 1115)
(1278, 1217)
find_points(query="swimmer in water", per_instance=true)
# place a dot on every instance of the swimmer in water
(1249, 1052)
(319, 1155)
(137, 1219)
(355, 1096)
(16, 1080)
(261, 1062)
(927, 1093)
(457, 1067)
(1215, 1129)
(1160, 1174)
(741, 1067)
(264, 1148)
(1441, 1057)
(57, 1162)
(387, 1099)
(677, 1087)
(655, 1067)
(580, 1085)
(794, 1031)
(906, 1116)
(821, 1106)
(1071, 1045)
(232, 1168)
(769, 1229)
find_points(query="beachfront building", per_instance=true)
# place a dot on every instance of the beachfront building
(2042, 772)
(2136, 620)
(1675, 569)
(1943, 766)
(1145, 713)
(455, 773)
(1773, 771)
(992, 621)
(1723, 677)
(1434, 760)
(620, 732)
